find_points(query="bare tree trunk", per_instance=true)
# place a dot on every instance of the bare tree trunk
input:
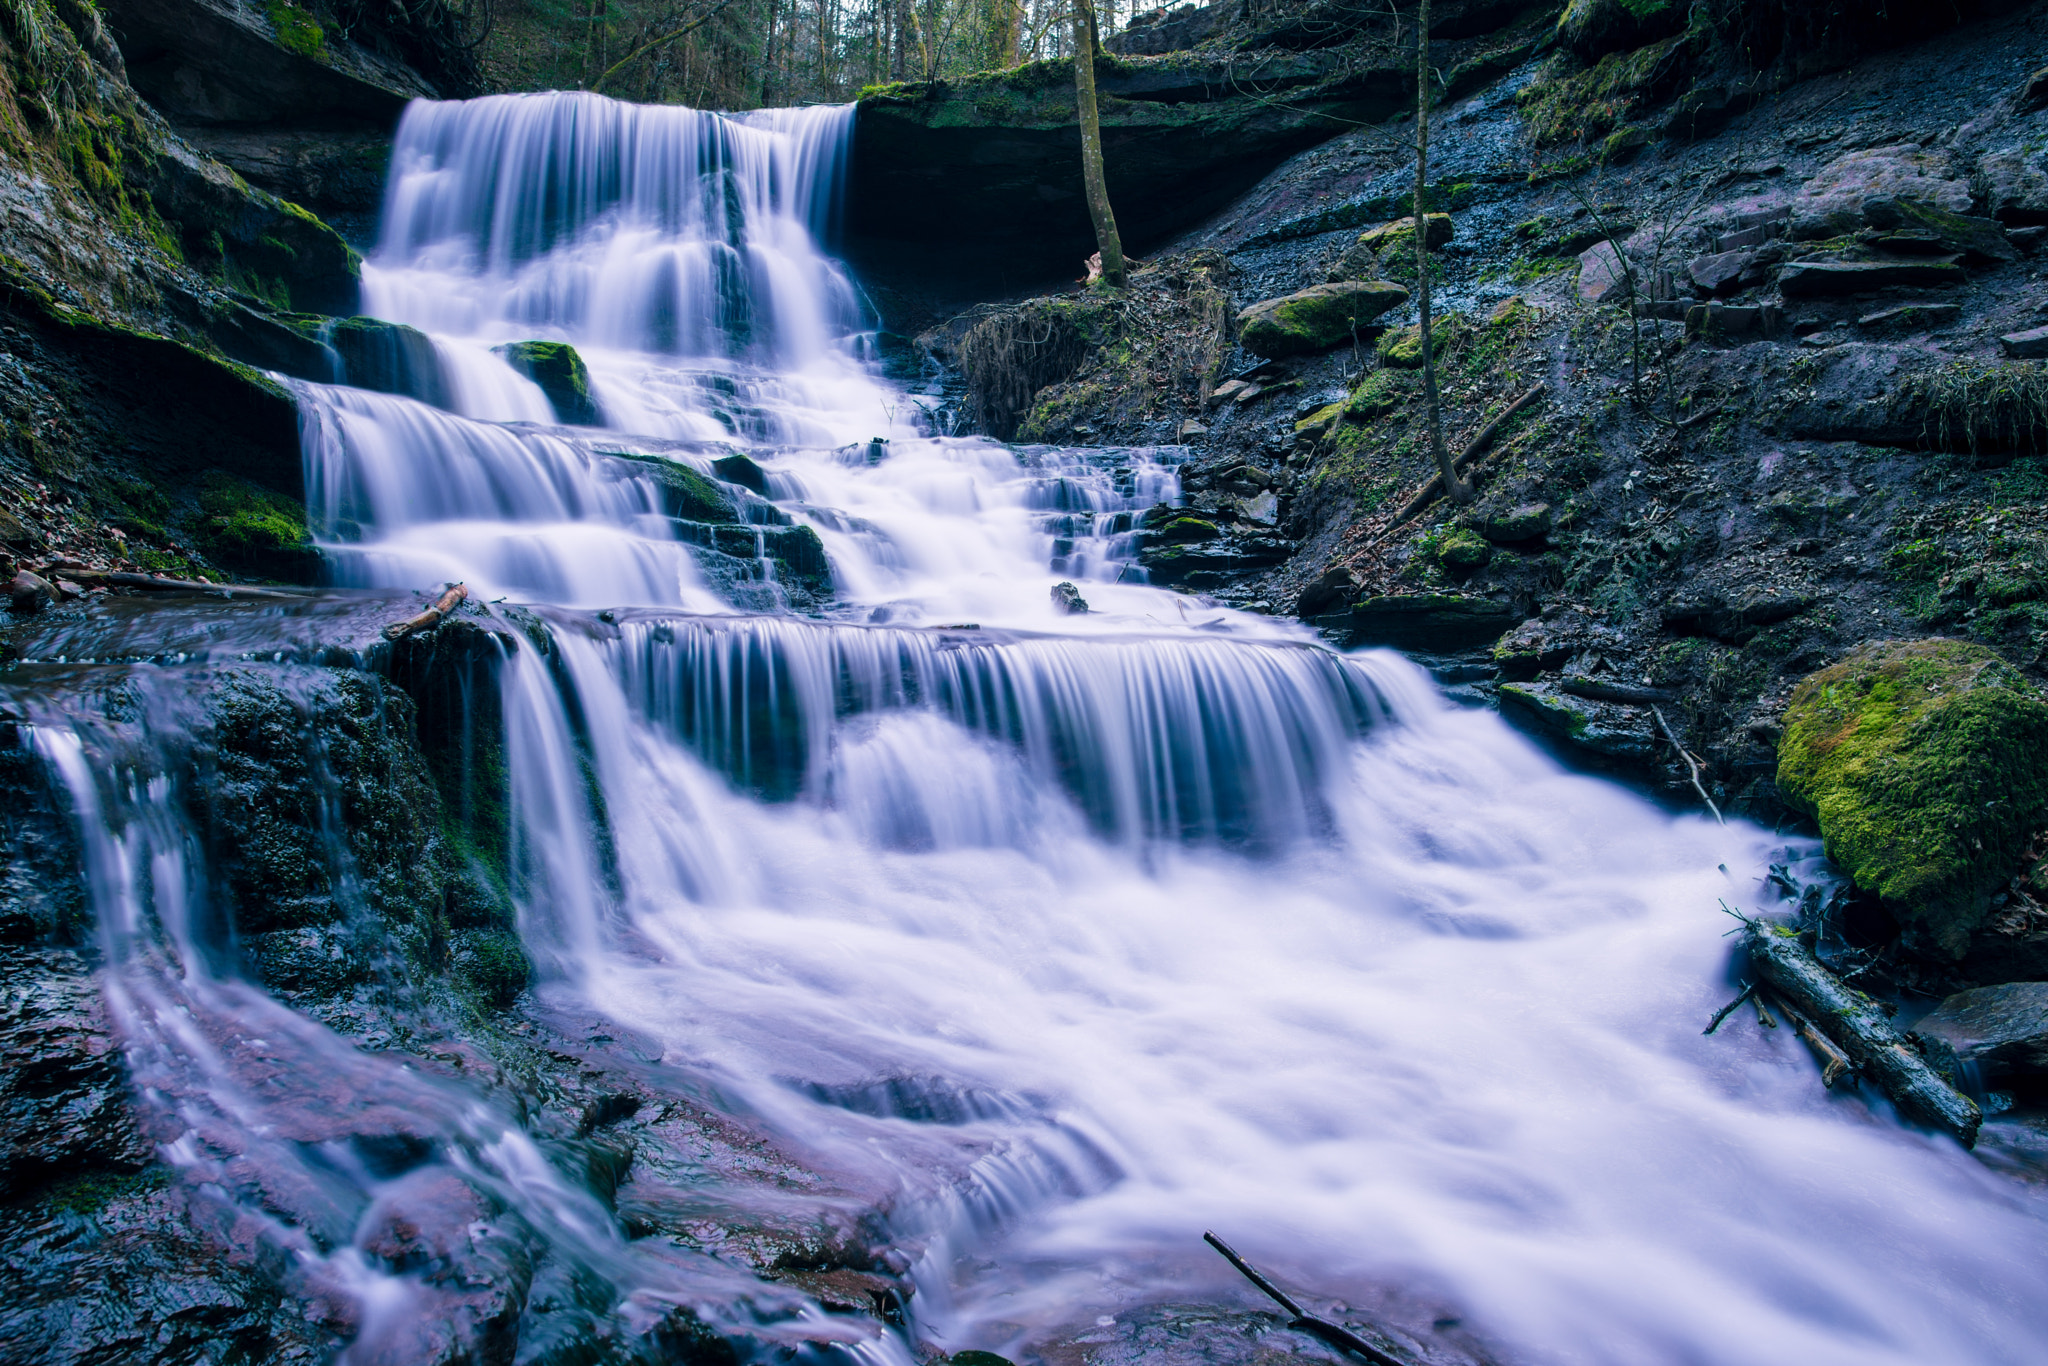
(1106, 238)
(1458, 489)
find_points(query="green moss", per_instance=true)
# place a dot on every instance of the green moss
(254, 530)
(298, 32)
(1317, 318)
(493, 964)
(1566, 103)
(1399, 235)
(1402, 349)
(1184, 529)
(1378, 394)
(1926, 764)
(1320, 420)
(89, 1192)
(561, 375)
(1461, 552)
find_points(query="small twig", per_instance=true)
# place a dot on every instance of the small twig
(456, 595)
(1725, 1011)
(1834, 1063)
(1763, 1012)
(1690, 764)
(1342, 1338)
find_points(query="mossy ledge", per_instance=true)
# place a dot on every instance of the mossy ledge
(1926, 764)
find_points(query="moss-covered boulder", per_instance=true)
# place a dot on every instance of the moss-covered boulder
(561, 375)
(1926, 764)
(1399, 235)
(1317, 318)
(390, 358)
(1462, 552)
(1402, 349)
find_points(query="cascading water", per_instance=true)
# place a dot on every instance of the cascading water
(1066, 936)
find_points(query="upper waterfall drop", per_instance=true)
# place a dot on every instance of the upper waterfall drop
(655, 229)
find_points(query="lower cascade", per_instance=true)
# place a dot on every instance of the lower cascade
(958, 948)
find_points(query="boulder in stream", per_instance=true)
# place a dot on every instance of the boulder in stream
(1926, 764)
(561, 375)
(2001, 1032)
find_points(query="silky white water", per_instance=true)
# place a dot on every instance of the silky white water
(1078, 934)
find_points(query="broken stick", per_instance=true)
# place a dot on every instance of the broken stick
(1341, 1338)
(1854, 1023)
(1473, 450)
(456, 595)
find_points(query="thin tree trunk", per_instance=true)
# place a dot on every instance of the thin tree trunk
(1458, 489)
(1106, 238)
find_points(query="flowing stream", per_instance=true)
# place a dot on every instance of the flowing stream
(1067, 936)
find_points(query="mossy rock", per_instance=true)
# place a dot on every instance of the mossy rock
(1402, 349)
(561, 375)
(1399, 235)
(1524, 522)
(1462, 552)
(1184, 529)
(685, 493)
(1926, 764)
(1317, 318)
(1378, 394)
(390, 358)
(252, 530)
(1320, 420)
(491, 963)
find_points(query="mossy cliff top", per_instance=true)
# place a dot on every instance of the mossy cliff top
(1926, 764)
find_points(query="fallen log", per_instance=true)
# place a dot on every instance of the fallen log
(149, 583)
(456, 595)
(1473, 450)
(1862, 1031)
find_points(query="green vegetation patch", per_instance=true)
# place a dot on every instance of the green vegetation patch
(1981, 407)
(1926, 764)
(254, 530)
(298, 32)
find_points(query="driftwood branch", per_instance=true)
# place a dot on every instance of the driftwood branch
(1725, 1011)
(1624, 693)
(1341, 1338)
(1860, 1030)
(1835, 1065)
(1432, 490)
(112, 578)
(1691, 764)
(456, 595)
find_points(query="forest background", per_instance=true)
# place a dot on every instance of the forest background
(738, 54)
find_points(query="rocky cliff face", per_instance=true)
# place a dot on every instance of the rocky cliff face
(1778, 324)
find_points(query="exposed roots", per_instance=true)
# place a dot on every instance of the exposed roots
(1983, 408)
(1011, 355)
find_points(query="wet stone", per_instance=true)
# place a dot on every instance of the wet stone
(2000, 1031)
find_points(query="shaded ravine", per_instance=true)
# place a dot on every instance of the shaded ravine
(1059, 938)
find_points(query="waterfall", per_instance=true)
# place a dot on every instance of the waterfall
(1047, 940)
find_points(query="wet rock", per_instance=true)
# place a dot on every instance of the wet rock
(1317, 318)
(1067, 598)
(1999, 1031)
(1333, 589)
(1164, 30)
(1839, 199)
(740, 470)
(1519, 524)
(29, 593)
(1925, 763)
(390, 358)
(2029, 345)
(63, 1090)
(1724, 323)
(1534, 647)
(1723, 272)
(2014, 187)
(1836, 279)
(1734, 616)
(470, 1277)
(1606, 730)
(561, 375)
(1433, 622)
(1603, 274)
